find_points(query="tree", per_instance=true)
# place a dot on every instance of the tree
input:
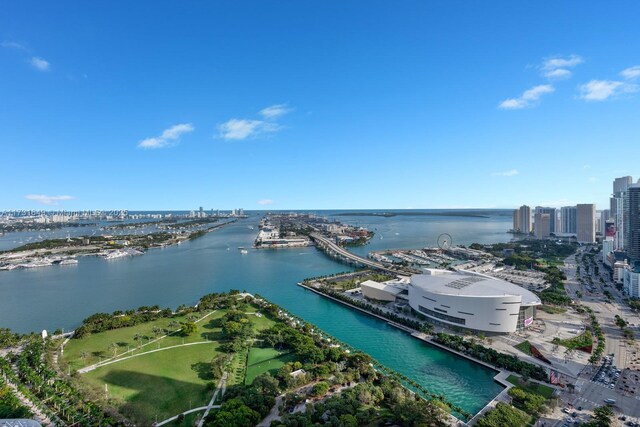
(189, 328)
(114, 348)
(217, 365)
(320, 389)
(266, 384)
(601, 417)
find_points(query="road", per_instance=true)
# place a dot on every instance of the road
(340, 251)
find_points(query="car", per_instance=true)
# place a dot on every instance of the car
(565, 410)
(610, 401)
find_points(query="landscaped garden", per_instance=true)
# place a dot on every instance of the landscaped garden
(160, 368)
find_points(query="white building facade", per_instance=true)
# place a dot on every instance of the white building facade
(632, 283)
(472, 301)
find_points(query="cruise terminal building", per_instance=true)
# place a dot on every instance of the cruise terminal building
(472, 301)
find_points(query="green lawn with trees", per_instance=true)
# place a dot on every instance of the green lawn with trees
(94, 347)
(263, 360)
(178, 371)
(531, 386)
(164, 383)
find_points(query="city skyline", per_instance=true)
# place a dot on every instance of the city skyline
(289, 106)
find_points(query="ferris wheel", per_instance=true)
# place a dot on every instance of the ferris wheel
(445, 241)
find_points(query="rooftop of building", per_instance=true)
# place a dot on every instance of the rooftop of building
(392, 287)
(466, 283)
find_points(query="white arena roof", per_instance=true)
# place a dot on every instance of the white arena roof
(393, 289)
(470, 284)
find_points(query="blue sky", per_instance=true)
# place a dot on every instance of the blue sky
(332, 104)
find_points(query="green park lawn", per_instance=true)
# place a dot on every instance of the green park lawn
(531, 387)
(263, 360)
(524, 347)
(96, 347)
(164, 383)
(167, 382)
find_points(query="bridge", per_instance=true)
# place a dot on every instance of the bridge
(333, 249)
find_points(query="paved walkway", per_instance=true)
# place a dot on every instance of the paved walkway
(38, 415)
(99, 365)
(222, 387)
(117, 358)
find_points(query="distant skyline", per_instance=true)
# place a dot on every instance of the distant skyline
(316, 105)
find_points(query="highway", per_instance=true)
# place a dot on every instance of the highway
(331, 246)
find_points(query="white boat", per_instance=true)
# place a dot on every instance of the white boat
(68, 261)
(244, 251)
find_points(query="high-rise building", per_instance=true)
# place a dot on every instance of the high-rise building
(568, 218)
(607, 248)
(631, 283)
(632, 224)
(605, 215)
(542, 225)
(525, 219)
(620, 186)
(552, 216)
(586, 223)
(516, 220)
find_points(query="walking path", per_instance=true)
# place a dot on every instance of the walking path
(117, 359)
(222, 387)
(38, 415)
(109, 362)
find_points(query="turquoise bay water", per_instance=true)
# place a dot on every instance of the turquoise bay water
(61, 296)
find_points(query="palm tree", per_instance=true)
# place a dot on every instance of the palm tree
(114, 348)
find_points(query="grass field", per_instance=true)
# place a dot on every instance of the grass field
(263, 360)
(531, 387)
(96, 347)
(163, 383)
(167, 382)
(524, 347)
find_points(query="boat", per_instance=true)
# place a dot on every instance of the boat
(244, 251)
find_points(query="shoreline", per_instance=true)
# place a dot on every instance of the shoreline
(499, 377)
(20, 260)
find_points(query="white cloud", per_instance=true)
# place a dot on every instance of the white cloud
(512, 172)
(168, 136)
(560, 73)
(40, 63)
(631, 73)
(175, 131)
(239, 129)
(600, 90)
(560, 62)
(265, 202)
(528, 98)
(558, 67)
(275, 111)
(47, 200)
(12, 45)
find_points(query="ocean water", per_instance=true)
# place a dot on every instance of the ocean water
(61, 296)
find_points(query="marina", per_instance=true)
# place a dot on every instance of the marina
(181, 274)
